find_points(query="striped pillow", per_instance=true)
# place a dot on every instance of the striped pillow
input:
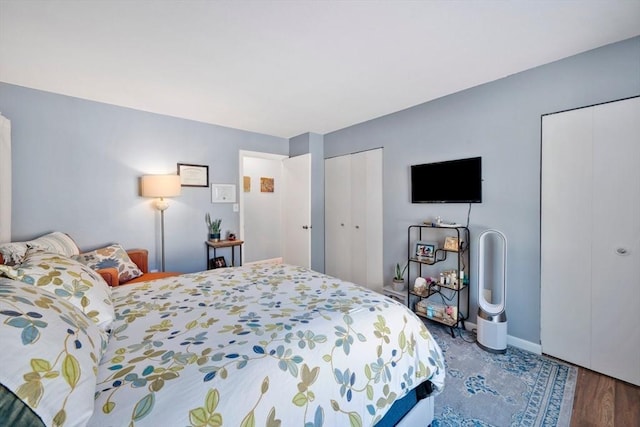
(56, 242)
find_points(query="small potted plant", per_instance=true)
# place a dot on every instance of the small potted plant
(214, 227)
(398, 277)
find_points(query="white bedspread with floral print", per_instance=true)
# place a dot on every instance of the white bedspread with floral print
(266, 345)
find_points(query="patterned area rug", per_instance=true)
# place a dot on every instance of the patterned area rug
(517, 388)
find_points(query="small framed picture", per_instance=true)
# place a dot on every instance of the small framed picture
(218, 262)
(451, 243)
(193, 175)
(425, 251)
(223, 193)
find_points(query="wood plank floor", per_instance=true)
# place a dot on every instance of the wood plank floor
(602, 401)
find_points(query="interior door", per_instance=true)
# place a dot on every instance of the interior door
(296, 210)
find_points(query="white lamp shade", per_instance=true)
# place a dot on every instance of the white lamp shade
(160, 186)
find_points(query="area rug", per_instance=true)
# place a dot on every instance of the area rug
(518, 388)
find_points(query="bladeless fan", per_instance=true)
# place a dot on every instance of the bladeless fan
(492, 291)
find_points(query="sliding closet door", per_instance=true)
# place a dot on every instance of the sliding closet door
(359, 218)
(615, 346)
(566, 226)
(373, 219)
(353, 218)
(590, 238)
(337, 225)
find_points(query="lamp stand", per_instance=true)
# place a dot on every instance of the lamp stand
(162, 205)
(162, 238)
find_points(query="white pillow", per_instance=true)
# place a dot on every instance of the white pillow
(50, 353)
(69, 280)
(56, 242)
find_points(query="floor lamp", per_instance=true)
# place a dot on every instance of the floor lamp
(160, 186)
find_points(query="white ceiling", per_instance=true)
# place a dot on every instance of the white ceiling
(288, 67)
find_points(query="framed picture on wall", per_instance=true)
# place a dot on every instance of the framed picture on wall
(223, 193)
(193, 175)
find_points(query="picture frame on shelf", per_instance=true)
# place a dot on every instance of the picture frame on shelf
(451, 244)
(425, 251)
(218, 262)
(193, 175)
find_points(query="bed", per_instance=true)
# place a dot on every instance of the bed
(268, 345)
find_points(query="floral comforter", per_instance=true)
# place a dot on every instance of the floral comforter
(264, 345)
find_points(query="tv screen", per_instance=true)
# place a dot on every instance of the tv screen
(453, 181)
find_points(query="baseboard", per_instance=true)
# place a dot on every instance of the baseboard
(511, 340)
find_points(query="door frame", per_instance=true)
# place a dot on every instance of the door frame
(242, 154)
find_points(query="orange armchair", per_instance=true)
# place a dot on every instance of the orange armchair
(140, 257)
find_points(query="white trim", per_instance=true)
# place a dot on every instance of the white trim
(5, 179)
(511, 340)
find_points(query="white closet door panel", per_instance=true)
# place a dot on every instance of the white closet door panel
(565, 236)
(359, 214)
(375, 275)
(338, 217)
(616, 288)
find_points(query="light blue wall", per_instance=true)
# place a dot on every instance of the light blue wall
(76, 166)
(499, 121)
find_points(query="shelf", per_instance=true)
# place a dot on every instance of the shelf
(389, 289)
(432, 291)
(448, 322)
(450, 262)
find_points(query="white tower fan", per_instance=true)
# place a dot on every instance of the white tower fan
(492, 317)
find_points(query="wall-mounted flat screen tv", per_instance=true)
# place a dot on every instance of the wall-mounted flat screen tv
(453, 181)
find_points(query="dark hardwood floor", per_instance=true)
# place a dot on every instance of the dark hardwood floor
(602, 401)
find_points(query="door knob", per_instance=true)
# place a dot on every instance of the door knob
(622, 251)
(306, 227)
(357, 226)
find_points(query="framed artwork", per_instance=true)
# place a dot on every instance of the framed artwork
(193, 175)
(246, 184)
(425, 251)
(266, 185)
(223, 193)
(451, 243)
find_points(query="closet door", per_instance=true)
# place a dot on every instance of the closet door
(590, 238)
(366, 219)
(615, 249)
(373, 226)
(566, 236)
(338, 217)
(359, 251)
(353, 218)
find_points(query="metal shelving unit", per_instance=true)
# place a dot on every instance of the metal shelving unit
(445, 299)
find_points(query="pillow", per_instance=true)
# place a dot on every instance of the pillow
(50, 353)
(113, 256)
(68, 279)
(56, 242)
